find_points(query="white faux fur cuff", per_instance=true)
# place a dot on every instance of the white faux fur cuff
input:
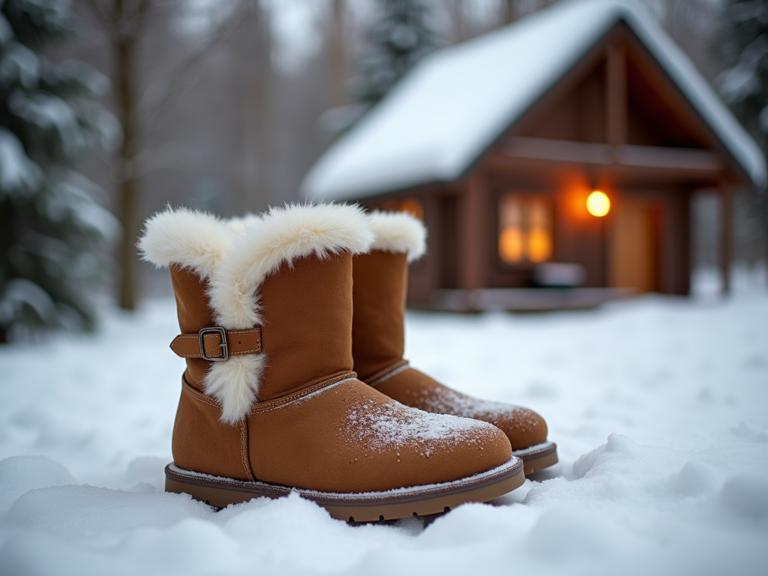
(241, 224)
(399, 232)
(192, 239)
(237, 257)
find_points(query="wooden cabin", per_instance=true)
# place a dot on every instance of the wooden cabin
(553, 162)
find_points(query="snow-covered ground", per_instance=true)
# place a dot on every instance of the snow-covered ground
(659, 406)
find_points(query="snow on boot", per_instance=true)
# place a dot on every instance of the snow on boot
(269, 401)
(378, 342)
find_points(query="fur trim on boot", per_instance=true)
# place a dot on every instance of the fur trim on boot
(192, 239)
(399, 232)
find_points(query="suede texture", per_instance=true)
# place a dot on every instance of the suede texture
(203, 444)
(200, 441)
(315, 425)
(307, 314)
(378, 343)
(379, 288)
(522, 426)
(351, 438)
(194, 313)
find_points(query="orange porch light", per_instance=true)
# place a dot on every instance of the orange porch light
(598, 204)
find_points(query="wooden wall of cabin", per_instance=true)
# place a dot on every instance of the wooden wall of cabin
(581, 238)
(576, 115)
(577, 236)
(675, 273)
(459, 235)
(424, 275)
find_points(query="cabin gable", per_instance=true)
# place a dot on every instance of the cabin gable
(617, 95)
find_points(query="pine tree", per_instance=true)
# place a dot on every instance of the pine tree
(399, 38)
(743, 47)
(50, 225)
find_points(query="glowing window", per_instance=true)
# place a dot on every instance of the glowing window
(525, 229)
(390, 206)
(413, 207)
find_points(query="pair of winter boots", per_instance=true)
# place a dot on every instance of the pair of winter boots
(292, 330)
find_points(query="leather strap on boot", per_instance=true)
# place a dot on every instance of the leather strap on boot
(216, 344)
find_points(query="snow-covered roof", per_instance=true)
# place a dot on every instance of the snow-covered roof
(456, 102)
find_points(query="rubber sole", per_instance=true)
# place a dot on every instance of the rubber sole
(355, 507)
(537, 457)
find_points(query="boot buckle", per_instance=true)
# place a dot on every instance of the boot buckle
(223, 345)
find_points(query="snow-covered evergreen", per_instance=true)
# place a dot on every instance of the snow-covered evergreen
(50, 224)
(744, 47)
(399, 38)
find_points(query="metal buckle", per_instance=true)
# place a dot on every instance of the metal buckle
(224, 346)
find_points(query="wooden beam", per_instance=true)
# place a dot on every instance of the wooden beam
(605, 154)
(558, 150)
(473, 229)
(681, 158)
(726, 236)
(616, 97)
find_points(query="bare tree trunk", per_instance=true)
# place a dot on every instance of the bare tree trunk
(509, 11)
(7, 217)
(127, 25)
(129, 263)
(512, 10)
(129, 188)
(5, 243)
(458, 21)
(337, 56)
(252, 91)
(726, 236)
(765, 225)
(262, 104)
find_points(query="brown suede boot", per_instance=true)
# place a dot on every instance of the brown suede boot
(269, 401)
(378, 342)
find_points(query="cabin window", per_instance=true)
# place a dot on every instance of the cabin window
(525, 229)
(412, 206)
